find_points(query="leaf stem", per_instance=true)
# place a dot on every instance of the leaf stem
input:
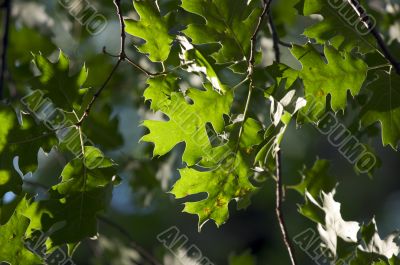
(379, 66)
(250, 69)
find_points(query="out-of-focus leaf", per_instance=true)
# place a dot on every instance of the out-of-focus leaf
(12, 235)
(340, 26)
(384, 107)
(316, 179)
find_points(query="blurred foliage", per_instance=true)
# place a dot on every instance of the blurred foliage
(69, 194)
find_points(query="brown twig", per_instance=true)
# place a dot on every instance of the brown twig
(121, 57)
(278, 158)
(364, 17)
(285, 44)
(5, 38)
(275, 37)
(250, 69)
(279, 211)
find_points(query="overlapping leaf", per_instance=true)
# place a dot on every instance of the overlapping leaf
(83, 192)
(340, 26)
(153, 28)
(196, 62)
(187, 122)
(230, 23)
(227, 180)
(316, 179)
(65, 91)
(341, 73)
(13, 249)
(20, 138)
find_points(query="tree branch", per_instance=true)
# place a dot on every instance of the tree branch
(279, 211)
(6, 32)
(250, 69)
(279, 179)
(121, 57)
(124, 232)
(364, 17)
(275, 38)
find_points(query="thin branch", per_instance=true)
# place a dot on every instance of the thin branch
(6, 33)
(144, 253)
(364, 17)
(148, 73)
(96, 95)
(275, 37)
(251, 60)
(121, 57)
(279, 179)
(285, 44)
(278, 209)
(250, 69)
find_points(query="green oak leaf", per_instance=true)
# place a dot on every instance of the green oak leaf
(340, 25)
(84, 191)
(341, 73)
(384, 107)
(229, 181)
(231, 23)
(316, 179)
(187, 122)
(159, 90)
(226, 178)
(64, 90)
(12, 234)
(153, 28)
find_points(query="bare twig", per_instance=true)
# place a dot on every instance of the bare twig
(275, 37)
(285, 44)
(121, 57)
(131, 62)
(6, 33)
(364, 17)
(279, 179)
(144, 253)
(250, 69)
(96, 95)
(278, 209)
